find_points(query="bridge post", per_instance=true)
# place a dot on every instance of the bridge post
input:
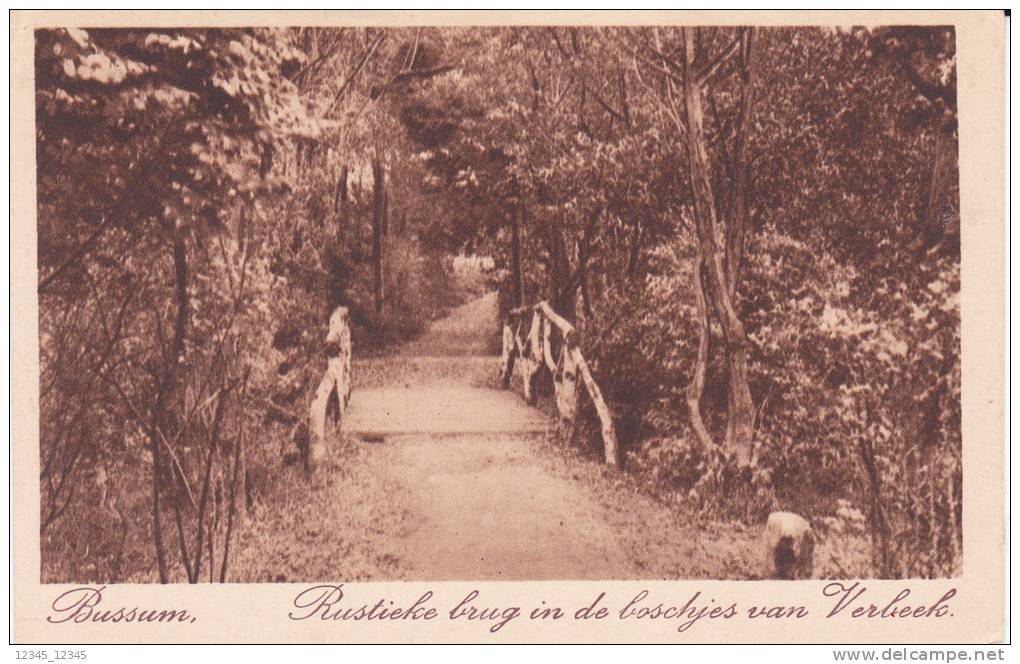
(610, 444)
(506, 363)
(532, 359)
(336, 381)
(565, 381)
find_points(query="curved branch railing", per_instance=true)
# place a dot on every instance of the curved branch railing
(562, 357)
(337, 380)
(551, 341)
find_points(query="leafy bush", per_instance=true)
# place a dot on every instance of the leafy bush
(840, 385)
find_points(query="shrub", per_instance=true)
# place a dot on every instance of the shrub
(856, 388)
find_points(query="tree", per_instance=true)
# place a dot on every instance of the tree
(378, 230)
(720, 194)
(151, 147)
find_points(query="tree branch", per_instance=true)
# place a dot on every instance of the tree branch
(114, 212)
(354, 72)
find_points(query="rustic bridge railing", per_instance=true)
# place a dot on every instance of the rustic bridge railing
(337, 380)
(547, 339)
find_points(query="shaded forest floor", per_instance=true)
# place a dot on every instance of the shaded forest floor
(505, 501)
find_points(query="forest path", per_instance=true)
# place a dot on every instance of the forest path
(452, 478)
(431, 386)
(462, 453)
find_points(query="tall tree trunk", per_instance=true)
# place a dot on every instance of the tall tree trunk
(585, 292)
(564, 288)
(235, 479)
(340, 200)
(516, 262)
(566, 300)
(378, 204)
(554, 244)
(736, 227)
(697, 385)
(338, 275)
(157, 524)
(164, 390)
(740, 423)
(931, 226)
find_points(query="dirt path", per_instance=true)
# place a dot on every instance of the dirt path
(442, 476)
(484, 506)
(465, 332)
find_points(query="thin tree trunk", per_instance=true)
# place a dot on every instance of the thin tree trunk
(163, 390)
(340, 201)
(157, 528)
(563, 284)
(378, 204)
(336, 285)
(737, 227)
(182, 541)
(697, 385)
(516, 269)
(232, 509)
(932, 227)
(738, 220)
(881, 552)
(585, 292)
(212, 534)
(210, 461)
(740, 418)
(554, 242)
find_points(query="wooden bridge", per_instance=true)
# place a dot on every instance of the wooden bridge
(463, 482)
(534, 338)
(457, 462)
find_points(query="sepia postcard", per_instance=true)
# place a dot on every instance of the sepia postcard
(497, 327)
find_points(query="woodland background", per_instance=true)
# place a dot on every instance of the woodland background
(756, 232)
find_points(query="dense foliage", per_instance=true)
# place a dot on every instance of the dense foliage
(756, 232)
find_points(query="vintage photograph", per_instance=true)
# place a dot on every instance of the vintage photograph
(498, 303)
